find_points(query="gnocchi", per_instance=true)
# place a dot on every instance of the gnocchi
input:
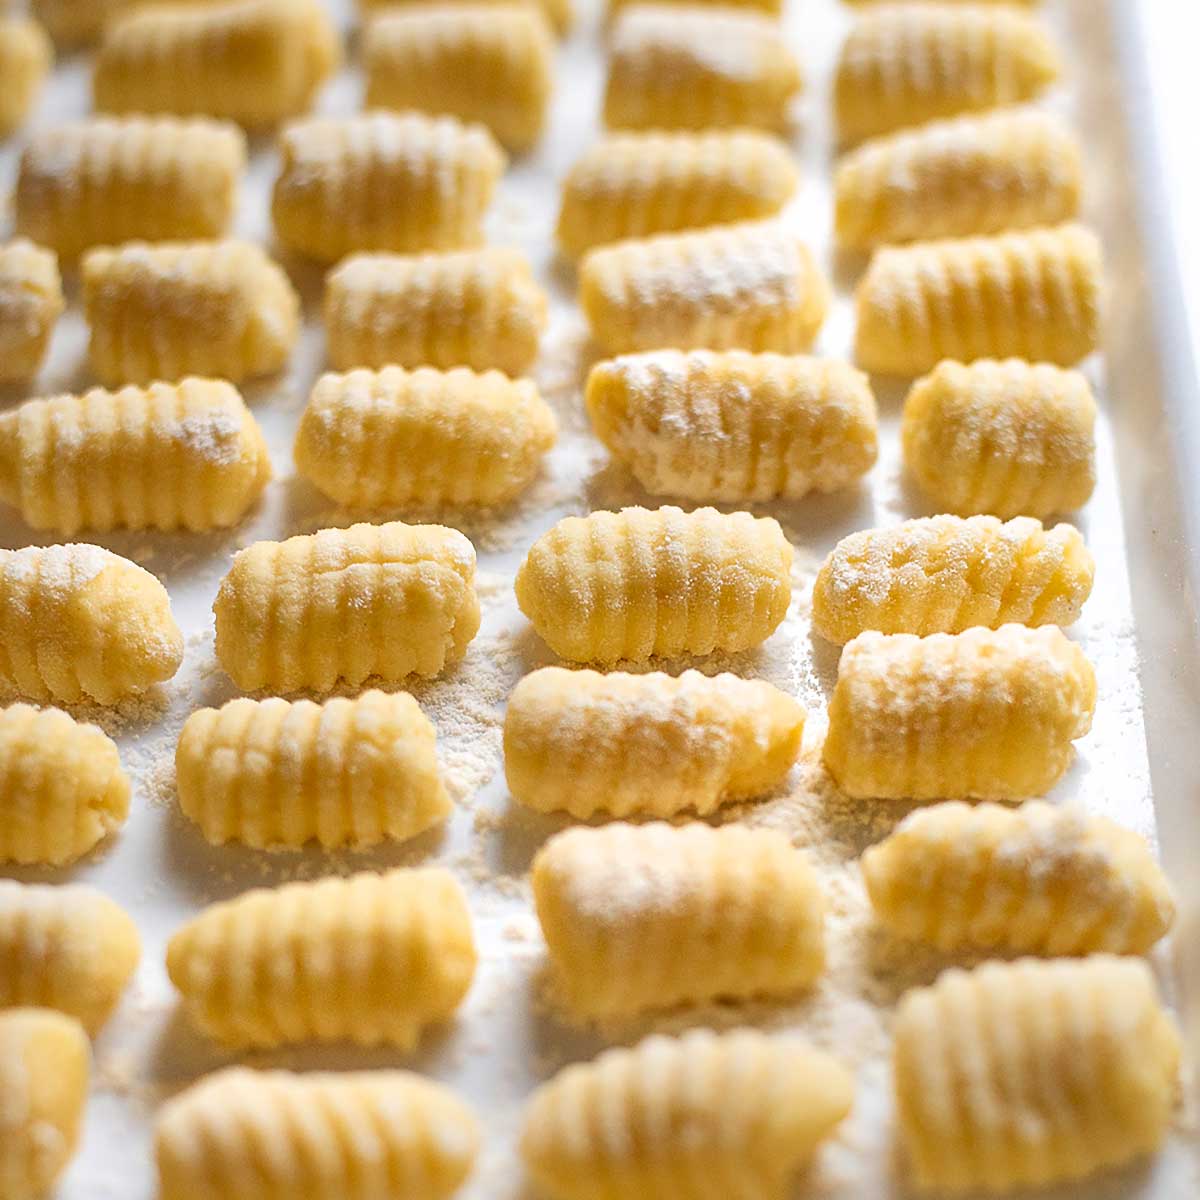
(25, 59)
(31, 301)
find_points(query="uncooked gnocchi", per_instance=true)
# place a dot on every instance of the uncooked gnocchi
(25, 58)
(31, 301)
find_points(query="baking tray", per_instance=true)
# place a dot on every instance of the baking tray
(506, 1039)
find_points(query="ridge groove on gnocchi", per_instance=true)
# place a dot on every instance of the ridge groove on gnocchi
(66, 947)
(373, 959)
(103, 180)
(557, 12)
(698, 1116)
(26, 57)
(752, 286)
(1036, 880)
(988, 714)
(1031, 1073)
(170, 456)
(1034, 295)
(373, 438)
(732, 426)
(172, 309)
(631, 185)
(1006, 438)
(383, 181)
(646, 917)
(906, 64)
(481, 309)
(256, 62)
(945, 574)
(77, 622)
(343, 773)
(31, 301)
(624, 745)
(274, 1135)
(644, 582)
(388, 600)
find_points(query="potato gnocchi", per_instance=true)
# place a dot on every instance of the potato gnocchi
(387, 600)
(642, 582)
(25, 59)
(372, 959)
(344, 773)
(989, 714)
(31, 301)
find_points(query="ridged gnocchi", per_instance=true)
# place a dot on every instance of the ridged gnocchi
(1004, 438)
(906, 64)
(631, 185)
(945, 574)
(644, 582)
(557, 12)
(256, 62)
(104, 180)
(170, 456)
(1013, 169)
(79, 622)
(274, 1135)
(1030, 1073)
(481, 309)
(632, 745)
(1036, 880)
(707, 425)
(374, 438)
(66, 947)
(31, 301)
(643, 917)
(372, 959)
(753, 286)
(703, 1115)
(45, 1062)
(164, 311)
(345, 604)
(1033, 295)
(483, 62)
(383, 181)
(684, 67)
(25, 58)
(63, 786)
(989, 714)
(344, 773)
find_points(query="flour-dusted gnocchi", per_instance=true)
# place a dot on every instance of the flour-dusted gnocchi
(67, 947)
(187, 308)
(1033, 295)
(344, 773)
(483, 62)
(734, 426)
(1012, 169)
(79, 622)
(1029, 1073)
(31, 301)
(170, 456)
(642, 917)
(383, 181)
(374, 438)
(753, 286)
(25, 58)
(104, 180)
(988, 714)
(1037, 880)
(45, 1061)
(274, 1135)
(635, 184)
(481, 309)
(256, 62)
(557, 12)
(345, 604)
(63, 787)
(699, 1116)
(643, 582)
(1002, 437)
(674, 67)
(905, 64)
(370, 959)
(945, 574)
(628, 745)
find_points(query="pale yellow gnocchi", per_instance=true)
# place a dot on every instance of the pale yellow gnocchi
(25, 59)
(31, 301)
